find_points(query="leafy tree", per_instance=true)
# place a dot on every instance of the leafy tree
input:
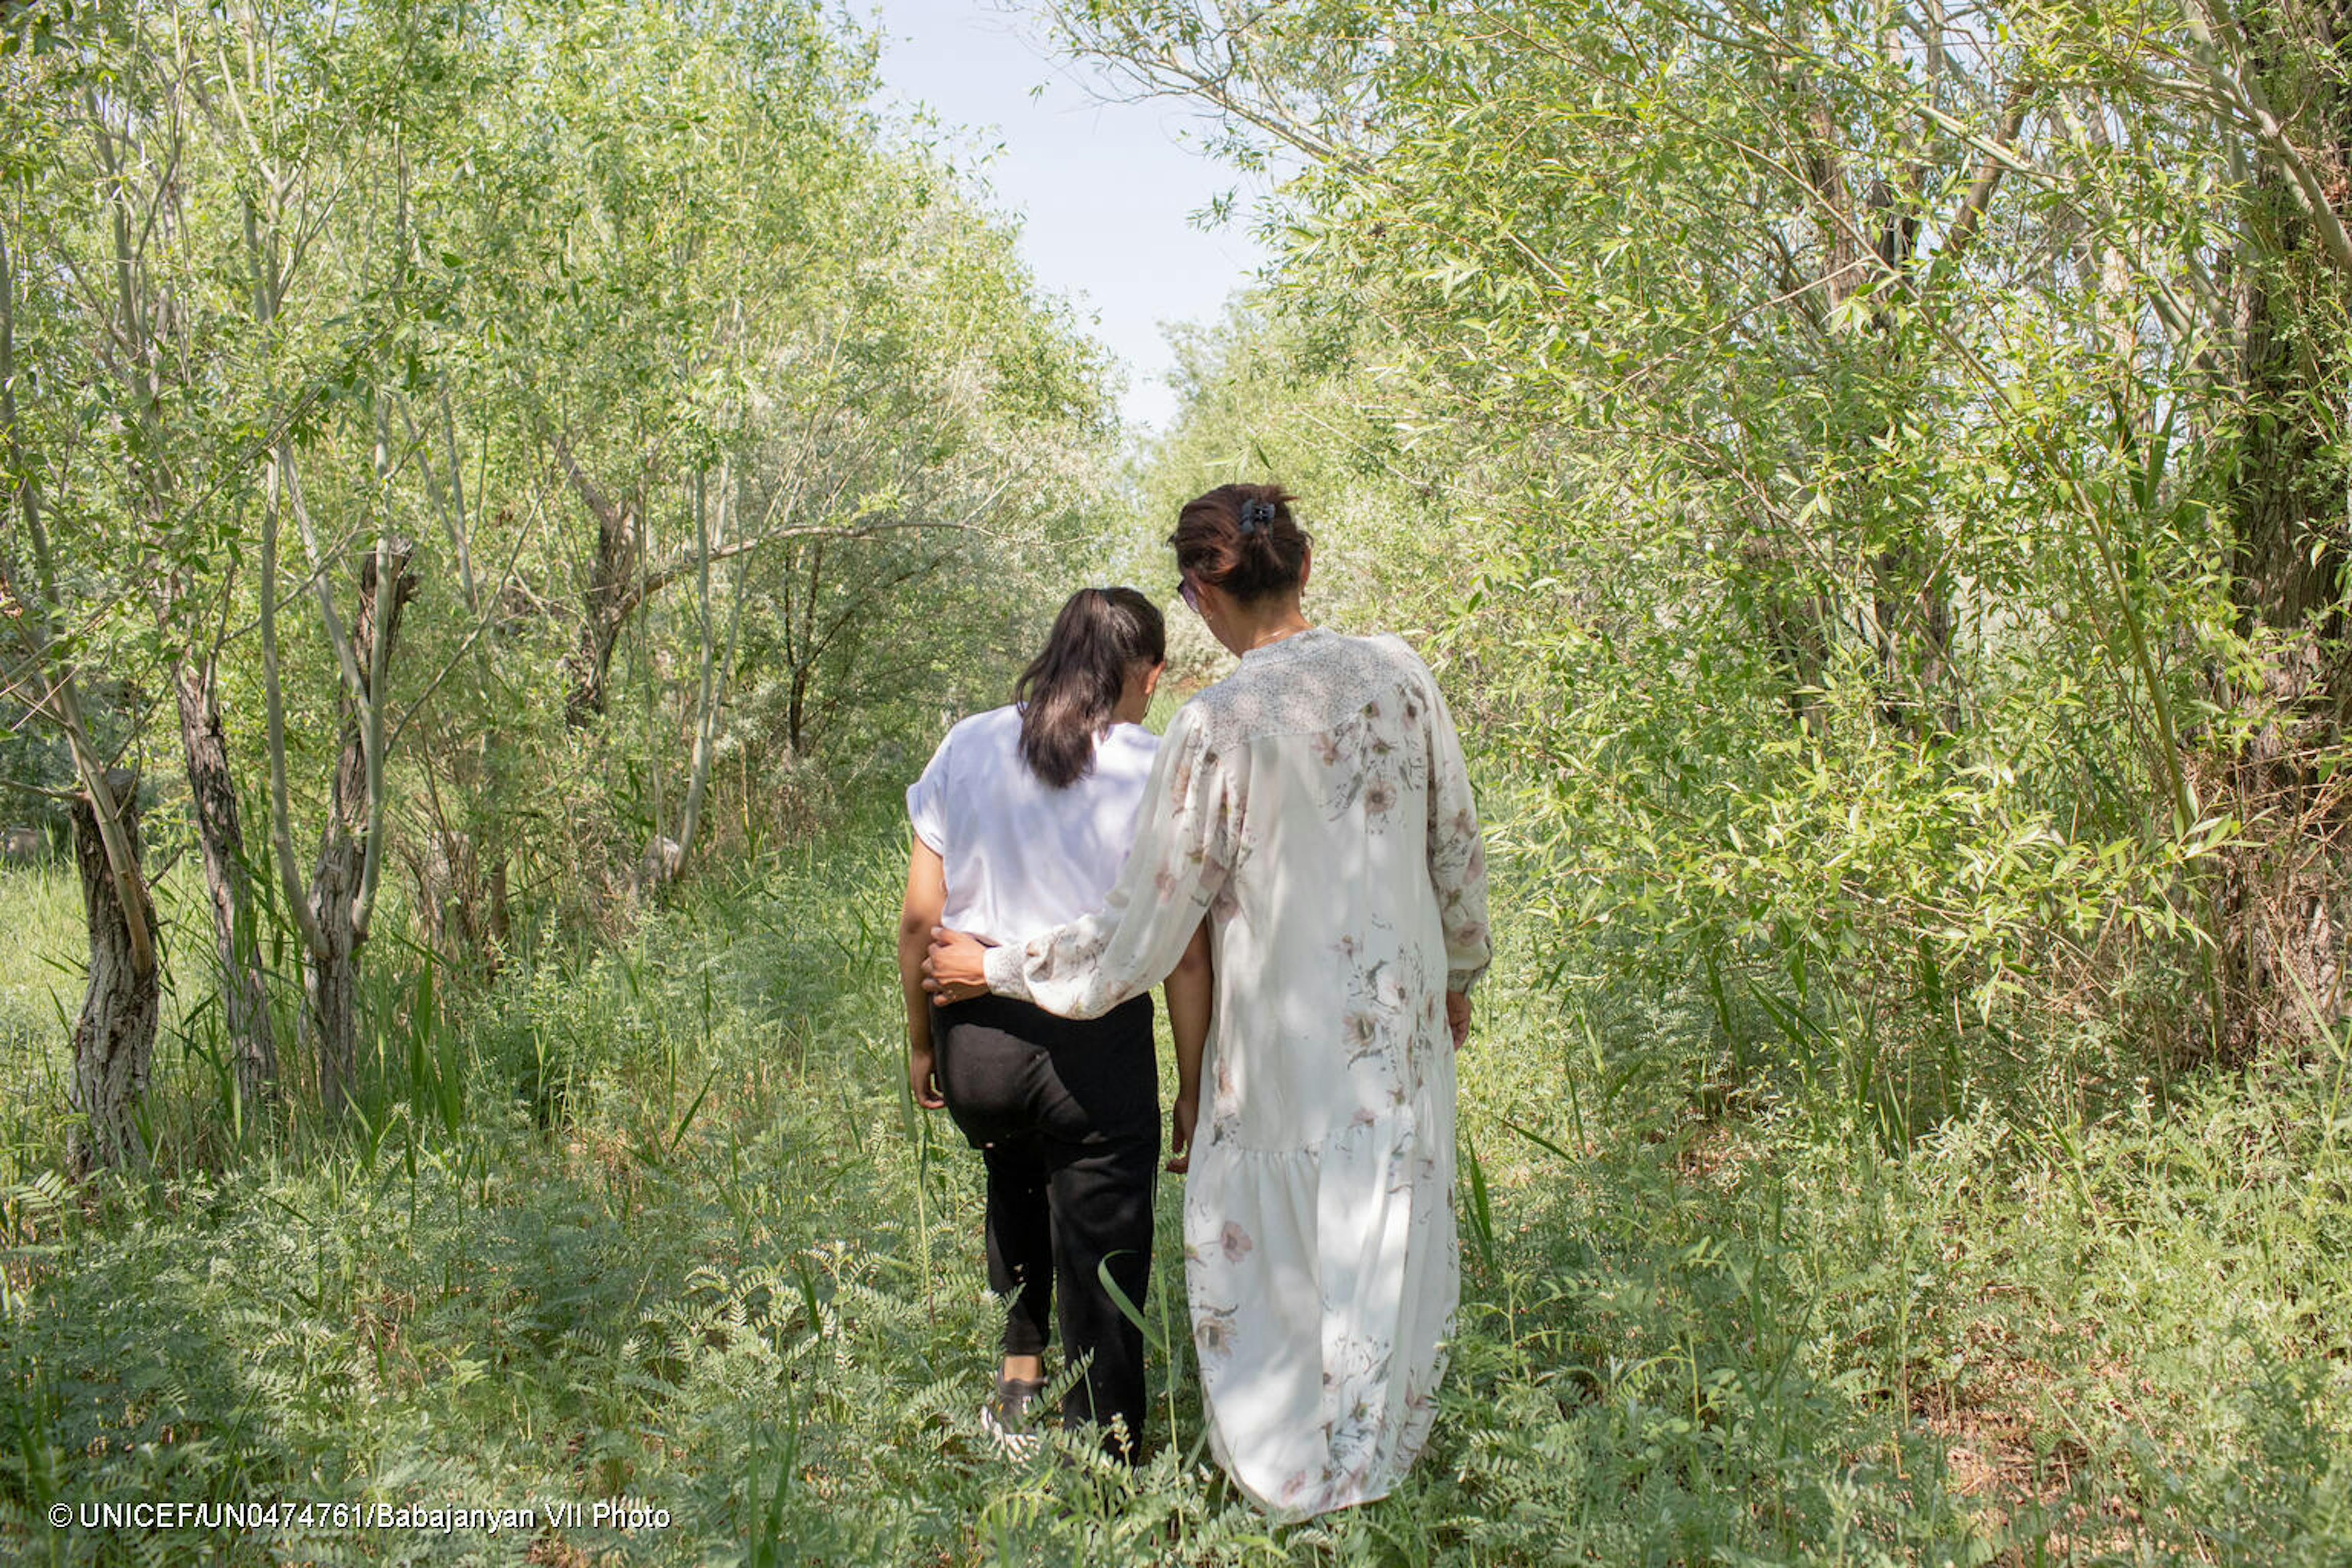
(1879, 375)
(571, 338)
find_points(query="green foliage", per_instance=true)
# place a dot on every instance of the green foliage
(1827, 453)
(734, 442)
(686, 1242)
(1816, 445)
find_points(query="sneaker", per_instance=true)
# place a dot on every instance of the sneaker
(1004, 1414)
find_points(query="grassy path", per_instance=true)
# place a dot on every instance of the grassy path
(657, 1225)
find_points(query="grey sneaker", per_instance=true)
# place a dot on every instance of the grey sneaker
(1004, 1414)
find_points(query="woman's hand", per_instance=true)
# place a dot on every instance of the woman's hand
(955, 970)
(1181, 1118)
(1457, 1016)
(923, 1077)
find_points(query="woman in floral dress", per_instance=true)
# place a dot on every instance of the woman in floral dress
(1315, 805)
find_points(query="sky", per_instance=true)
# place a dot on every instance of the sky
(1104, 191)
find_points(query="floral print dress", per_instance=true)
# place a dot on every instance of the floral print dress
(1315, 805)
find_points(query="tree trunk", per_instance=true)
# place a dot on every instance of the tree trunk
(1910, 595)
(330, 975)
(462, 905)
(715, 663)
(612, 596)
(114, 1038)
(614, 588)
(2284, 901)
(502, 924)
(796, 712)
(229, 888)
(1908, 600)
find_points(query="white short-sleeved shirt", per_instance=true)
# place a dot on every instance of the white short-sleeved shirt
(1021, 857)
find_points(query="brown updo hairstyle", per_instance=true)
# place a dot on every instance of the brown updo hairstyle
(1228, 539)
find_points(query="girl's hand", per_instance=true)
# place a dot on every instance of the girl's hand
(1181, 1118)
(923, 1077)
(955, 970)
(1457, 1016)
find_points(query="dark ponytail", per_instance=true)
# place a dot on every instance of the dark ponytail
(1242, 539)
(1069, 691)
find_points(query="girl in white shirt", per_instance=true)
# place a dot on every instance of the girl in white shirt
(1020, 822)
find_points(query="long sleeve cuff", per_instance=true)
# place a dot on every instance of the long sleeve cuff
(1463, 979)
(1005, 966)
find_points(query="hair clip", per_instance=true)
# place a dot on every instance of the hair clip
(1256, 513)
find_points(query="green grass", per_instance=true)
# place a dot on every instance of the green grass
(659, 1223)
(40, 992)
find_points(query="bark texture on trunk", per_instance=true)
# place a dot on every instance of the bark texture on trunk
(615, 587)
(462, 902)
(2283, 900)
(228, 887)
(331, 971)
(114, 1038)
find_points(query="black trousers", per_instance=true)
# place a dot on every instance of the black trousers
(1065, 1114)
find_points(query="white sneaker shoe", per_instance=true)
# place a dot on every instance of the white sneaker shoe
(1004, 1414)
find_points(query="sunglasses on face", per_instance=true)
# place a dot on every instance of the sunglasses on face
(1185, 592)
